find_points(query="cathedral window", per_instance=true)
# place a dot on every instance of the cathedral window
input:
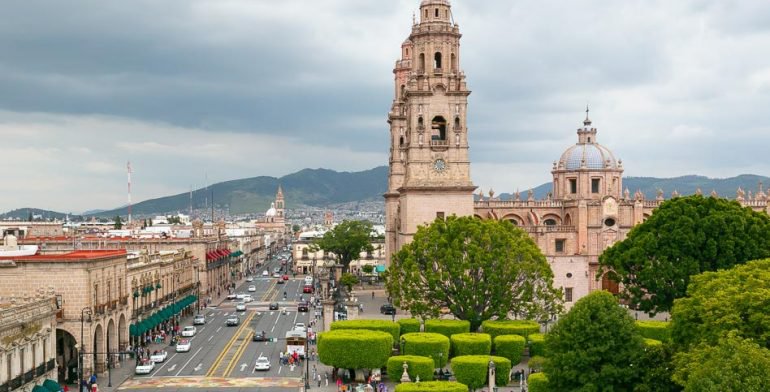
(401, 141)
(568, 294)
(609, 222)
(453, 63)
(595, 185)
(550, 222)
(560, 245)
(420, 123)
(440, 215)
(457, 123)
(437, 60)
(438, 128)
(422, 62)
(426, 14)
(437, 12)
(572, 185)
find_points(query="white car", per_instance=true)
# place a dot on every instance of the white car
(189, 331)
(276, 275)
(240, 296)
(249, 279)
(158, 356)
(241, 307)
(262, 364)
(145, 367)
(183, 346)
(265, 273)
(199, 320)
(308, 280)
(247, 298)
(252, 288)
(231, 296)
(300, 327)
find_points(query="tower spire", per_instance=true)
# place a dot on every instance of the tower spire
(587, 121)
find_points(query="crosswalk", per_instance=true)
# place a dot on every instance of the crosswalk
(208, 383)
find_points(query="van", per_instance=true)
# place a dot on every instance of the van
(308, 280)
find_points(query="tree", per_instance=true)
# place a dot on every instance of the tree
(30, 217)
(295, 228)
(737, 300)
(118, 222)
(656, 369)
(174, 220)
(734, 364)
(684, 237)
(348, 280)
(368, 268)
(593, 347)
(478, 269)
(346, 241)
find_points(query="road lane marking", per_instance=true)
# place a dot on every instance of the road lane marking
(172, 368)
(243, 367)
(238, 354)
(279, 369)
(210, 337)
(198, 368)
(229, 345)
(217, 331)
(188, 361)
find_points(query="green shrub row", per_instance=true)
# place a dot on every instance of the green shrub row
(432, 386)
(471, 344)
(372, 325)
(418, 366)
(427, 344)
(652, 342)
(652, 329)
(511, 347)
(447, 327)
(537, 345)
(537, 382)
(354, 349)
(510, 327)
(472, 370)
(409, 325)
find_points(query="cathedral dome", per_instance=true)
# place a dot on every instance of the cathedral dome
(272, 211)
(589, 156)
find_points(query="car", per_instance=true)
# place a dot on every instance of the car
(199, 319)
(146, 366)
(252, 288)
(158, 356)
(247, 298)
(249, 279)
(262, 363)
(274, 306)
(309, 280)
(302, 307)
(259, 336)
(241, 307)
(279, 281)
(300, 327)
(231, 296)
(285, 277)
(307, 289)
(233, 321)
(183, 345)
(388, 309)
(277, 269)
(276, 275)
(189, 331)
(239, 296)
(265, 273)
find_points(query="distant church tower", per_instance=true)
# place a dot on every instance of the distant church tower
(429, 173)
(279, 206)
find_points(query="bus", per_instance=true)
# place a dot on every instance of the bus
(295, 342)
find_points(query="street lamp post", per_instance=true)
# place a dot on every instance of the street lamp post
(307, 364)
(81, 365)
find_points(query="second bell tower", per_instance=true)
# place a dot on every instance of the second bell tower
(429, 173)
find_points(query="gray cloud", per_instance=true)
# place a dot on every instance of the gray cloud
(675, 88)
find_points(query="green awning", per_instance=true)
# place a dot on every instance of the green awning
(133, 330)
(51, 385)
(40, 388)
(237, 253)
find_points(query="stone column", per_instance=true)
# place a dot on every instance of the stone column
(328, 313)
(352, 308)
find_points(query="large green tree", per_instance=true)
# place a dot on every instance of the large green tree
(734, 364)
(594, 347)
(118, 223)
(737, 299)
(346, 241)
(684, 236)
(479, 269)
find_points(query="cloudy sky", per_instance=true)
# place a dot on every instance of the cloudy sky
(192, 91)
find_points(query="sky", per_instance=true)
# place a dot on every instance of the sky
(202, 91)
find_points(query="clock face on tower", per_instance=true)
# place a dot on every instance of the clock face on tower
(439, 165)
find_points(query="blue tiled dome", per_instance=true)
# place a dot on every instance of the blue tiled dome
(594, 155)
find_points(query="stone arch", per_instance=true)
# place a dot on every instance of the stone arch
(122, 332)
(568, 220)
(514, 219)
(112, 336)
(477, 216)
(421, 63)
(551, 219)
(66, 356)
(97, 350)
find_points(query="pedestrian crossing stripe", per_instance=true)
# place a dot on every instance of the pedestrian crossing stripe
(210, 382)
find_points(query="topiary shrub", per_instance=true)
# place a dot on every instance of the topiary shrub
(472, 370)
(372, 325)
(653, 329)
(427, 344)
(354, 349)
(652, 342)
(496, 328)
(511, 347)
(409, 325)
(537, 382)
(537, 345)
(447, 327)
(536, 363)
(418, 366)
(432, 386)
(471, 344)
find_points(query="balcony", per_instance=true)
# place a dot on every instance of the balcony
(124, 301)
(29, 376)
(439, 143)
(438, 71)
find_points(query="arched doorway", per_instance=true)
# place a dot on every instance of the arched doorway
(66, 357)
(112, 338)
(97, 353)
(122, 333)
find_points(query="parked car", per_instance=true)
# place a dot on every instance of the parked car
(252, 288)
(146, 366)
(241, 307)
(388, 309)
(274, 306)
(189, 331)
(158, 356)
(199, 319)
(183, 346)
(262, 363)
(233, 321)
(302, 307)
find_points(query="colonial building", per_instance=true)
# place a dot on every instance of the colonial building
(307, 261)
(28, 342)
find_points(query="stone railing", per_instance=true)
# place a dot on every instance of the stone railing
(519, 203)
(26, 311)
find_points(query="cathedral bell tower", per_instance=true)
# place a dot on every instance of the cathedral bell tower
(429, 173)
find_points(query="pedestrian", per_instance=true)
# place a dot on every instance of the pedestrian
(326, 379)
(372, 294)
(318, 377)
(339, 383)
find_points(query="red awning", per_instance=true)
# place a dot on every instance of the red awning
(209, 256)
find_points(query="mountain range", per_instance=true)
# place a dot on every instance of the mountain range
(323, 188)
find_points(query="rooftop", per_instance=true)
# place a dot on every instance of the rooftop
(71, 256)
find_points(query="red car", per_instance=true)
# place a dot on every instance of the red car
(307, 289)
(286, 277)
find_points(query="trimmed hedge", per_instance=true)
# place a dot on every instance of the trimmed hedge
(471, 344)
(652, 329)
(472, 370)
(536, 363)
(427, 344)
(354, 349)
(372, 325)
(418, 366)
(537, 345)
(447, 327)
(511, 347)
(409, 325)
(432, 386)
(537, 382)
(510, 327)
(652, 342)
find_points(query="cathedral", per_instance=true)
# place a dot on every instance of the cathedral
(429, 170)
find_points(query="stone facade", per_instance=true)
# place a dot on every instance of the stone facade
(31, 229)
(27, 342)
(306, 261)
